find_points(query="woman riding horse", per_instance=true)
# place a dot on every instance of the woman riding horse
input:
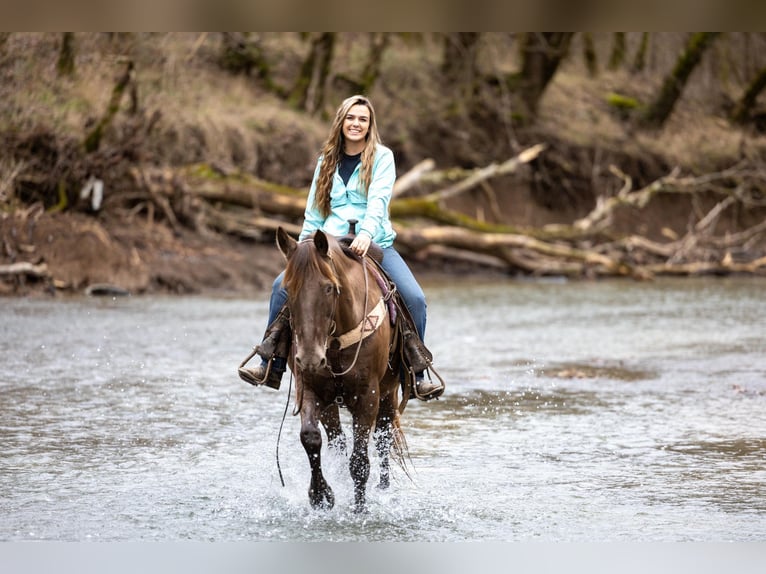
(341, 356)
(354, 179)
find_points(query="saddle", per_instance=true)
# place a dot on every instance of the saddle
(407, 347)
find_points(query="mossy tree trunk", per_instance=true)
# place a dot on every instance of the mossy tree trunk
(541, 54)
(746, 103)
(65, 64)
(617, 56)
(309, 89)
(589, 53)
(378, 43)
(660, 109)
(639, 61)
(93, 139)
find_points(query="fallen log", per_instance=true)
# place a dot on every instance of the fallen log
(499, 245)
(39, 270)
(247, 207)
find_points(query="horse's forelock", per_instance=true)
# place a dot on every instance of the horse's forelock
(306, 262)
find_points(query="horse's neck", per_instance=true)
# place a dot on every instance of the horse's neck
(362, 294)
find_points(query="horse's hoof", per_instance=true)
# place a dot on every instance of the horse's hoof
(322, 501)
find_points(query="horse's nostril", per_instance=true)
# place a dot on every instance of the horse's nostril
(322, 363)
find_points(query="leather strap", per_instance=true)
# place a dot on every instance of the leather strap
(365, 328)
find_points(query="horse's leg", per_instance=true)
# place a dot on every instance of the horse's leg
(330, 418)
(320, 493)
(364, 412)
(359, 464)
(384, 439)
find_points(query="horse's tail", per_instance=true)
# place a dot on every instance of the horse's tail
(399, 450)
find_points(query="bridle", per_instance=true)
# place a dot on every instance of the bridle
(333, 324)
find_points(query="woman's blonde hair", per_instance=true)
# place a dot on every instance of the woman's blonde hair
(333, 148)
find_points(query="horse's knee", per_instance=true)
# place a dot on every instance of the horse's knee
(311, 439)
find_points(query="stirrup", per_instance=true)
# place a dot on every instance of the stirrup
(433, 393)
(271, 377)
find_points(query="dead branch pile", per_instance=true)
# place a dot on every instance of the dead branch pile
(250, 208)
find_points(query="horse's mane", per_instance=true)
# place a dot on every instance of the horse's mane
(307, 262)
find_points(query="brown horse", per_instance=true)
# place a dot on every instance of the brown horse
(342, 341)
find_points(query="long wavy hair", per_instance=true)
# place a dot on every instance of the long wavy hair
(333, 148)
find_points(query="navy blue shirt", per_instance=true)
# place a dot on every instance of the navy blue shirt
(347, 165)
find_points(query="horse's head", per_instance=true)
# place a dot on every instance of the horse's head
(313, 287)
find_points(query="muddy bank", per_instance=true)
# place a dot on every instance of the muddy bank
(78, 251)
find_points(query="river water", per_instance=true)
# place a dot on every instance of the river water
(585, 411)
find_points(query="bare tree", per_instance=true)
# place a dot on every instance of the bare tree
(744, 106)
(3, 41)
(541, 53)
(65, 64)
(309, 89)
(459, 61)
(639, 61)
(379, 42)
(617, 57)
(589, 53)
(660, 109)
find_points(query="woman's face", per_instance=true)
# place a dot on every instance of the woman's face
(356, 125)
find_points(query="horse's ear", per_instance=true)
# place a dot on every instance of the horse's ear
(320, 242)
(286, 244)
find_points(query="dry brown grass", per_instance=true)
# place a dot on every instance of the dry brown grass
(210, 115)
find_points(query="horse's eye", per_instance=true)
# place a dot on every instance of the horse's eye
(329, 288)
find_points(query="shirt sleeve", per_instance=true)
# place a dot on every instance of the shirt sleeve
(380, 192)
(312, 219)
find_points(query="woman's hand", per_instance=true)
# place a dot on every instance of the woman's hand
(361, 244)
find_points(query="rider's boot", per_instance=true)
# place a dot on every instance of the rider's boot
(273, 350)
(425, 390)
(268, 373)
(419, 359)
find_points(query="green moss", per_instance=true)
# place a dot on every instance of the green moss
(622, 103)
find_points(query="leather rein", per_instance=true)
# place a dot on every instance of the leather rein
(366, 327)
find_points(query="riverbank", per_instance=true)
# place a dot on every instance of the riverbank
(156, 232)
(79, 251)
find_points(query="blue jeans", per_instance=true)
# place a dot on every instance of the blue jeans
(400, 274)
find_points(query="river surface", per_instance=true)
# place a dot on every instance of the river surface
(586, 411)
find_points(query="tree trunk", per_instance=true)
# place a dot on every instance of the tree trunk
(541, 54)
(93, 140)
(745, 105)
(617, 57)
(639, 61)
(3, 41)
(309, 90)
(378, 43)
(459, 61)
(65, 64)
(589, 53)
(662, 106)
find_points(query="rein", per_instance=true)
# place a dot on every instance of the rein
(364, 319)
